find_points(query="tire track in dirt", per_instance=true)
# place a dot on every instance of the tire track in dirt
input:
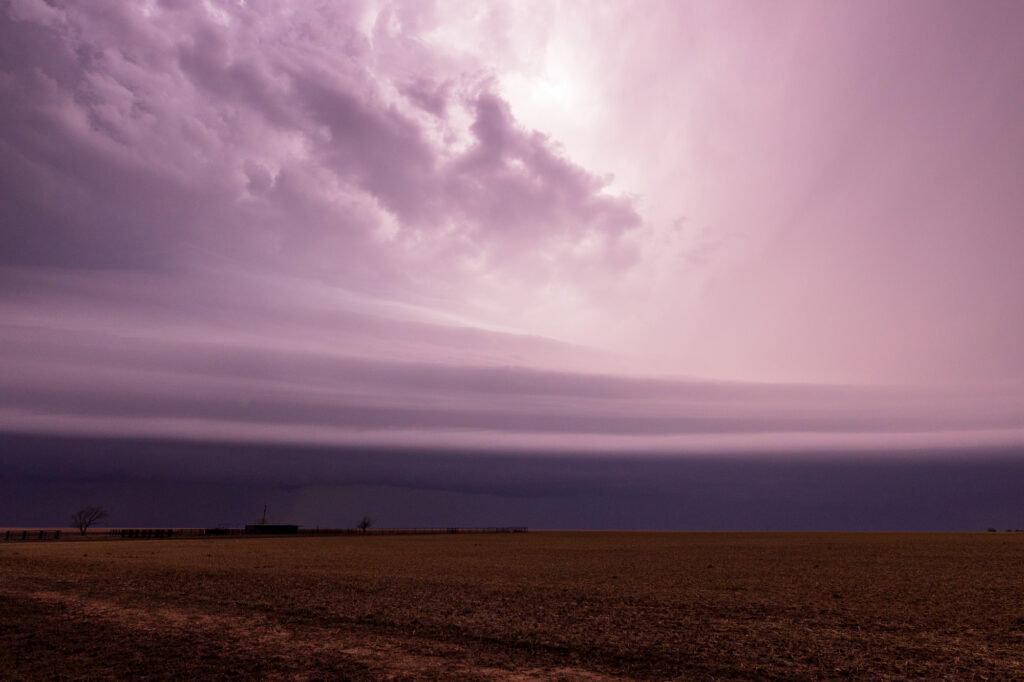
(387, 658)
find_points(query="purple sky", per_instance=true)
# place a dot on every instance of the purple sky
(654, 227)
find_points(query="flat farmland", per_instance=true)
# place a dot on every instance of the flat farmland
(540, 605)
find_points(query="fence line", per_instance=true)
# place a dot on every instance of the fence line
(26, 535)
(411, 531)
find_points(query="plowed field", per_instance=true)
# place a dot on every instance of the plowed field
(541, 605)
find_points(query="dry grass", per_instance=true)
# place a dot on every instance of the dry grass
(544, 605)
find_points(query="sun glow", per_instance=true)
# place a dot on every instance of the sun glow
(557, 88)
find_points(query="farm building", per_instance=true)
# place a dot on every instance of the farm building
(271, 529)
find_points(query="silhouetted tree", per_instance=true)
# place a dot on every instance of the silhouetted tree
(365, 523)
(83, 518)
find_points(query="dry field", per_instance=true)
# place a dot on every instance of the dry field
(539, 605)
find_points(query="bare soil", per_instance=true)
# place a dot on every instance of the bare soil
(541, 605)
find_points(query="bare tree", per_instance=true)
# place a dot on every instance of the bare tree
(365, 523)
(83, 518)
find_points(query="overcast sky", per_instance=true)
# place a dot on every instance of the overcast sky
(625, 227)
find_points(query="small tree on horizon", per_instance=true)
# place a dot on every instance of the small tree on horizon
(365, 523)
(83, 518)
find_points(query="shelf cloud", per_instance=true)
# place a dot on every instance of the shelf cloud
(650, 228)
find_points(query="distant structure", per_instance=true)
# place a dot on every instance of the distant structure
(271, 529)
(261, 527)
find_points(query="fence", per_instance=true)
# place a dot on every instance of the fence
(411, 531)
(24, 535)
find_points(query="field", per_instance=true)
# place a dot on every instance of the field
(547, 605)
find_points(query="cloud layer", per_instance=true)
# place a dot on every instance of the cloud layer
(382, 223)
(131, 360)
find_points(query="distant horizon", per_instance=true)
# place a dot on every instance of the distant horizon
(161, 483)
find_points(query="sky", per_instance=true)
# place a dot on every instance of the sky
(586, 233)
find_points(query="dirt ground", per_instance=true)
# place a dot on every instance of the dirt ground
(541, 605)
